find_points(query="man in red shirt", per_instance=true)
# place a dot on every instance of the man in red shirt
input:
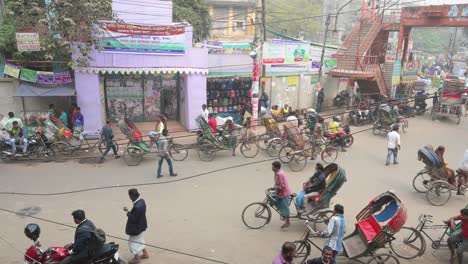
(460, 239)
(212, 122)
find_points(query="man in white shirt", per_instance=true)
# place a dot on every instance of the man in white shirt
(205, 113)
(393, 145)
(7, 122)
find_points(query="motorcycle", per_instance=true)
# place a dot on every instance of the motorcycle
(342, 99)
(345, 133)
(420, 104)
(37, 145)
(361, 116)
(108, 254)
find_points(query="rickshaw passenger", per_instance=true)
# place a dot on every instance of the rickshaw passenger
(440, 151)
(230, 133)
(461, 238)
(318, 129)
(313, 187)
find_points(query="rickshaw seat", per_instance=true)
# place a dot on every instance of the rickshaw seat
(388, 213)
(369, 228)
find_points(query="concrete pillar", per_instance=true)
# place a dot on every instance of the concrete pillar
(88, 92)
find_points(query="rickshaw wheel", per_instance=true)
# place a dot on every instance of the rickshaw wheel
(375, 129)
(46, 154)
(178, 152)
(102, 146)
(439, 193)
(133, 156)
(298, 162)
(383, 258)
(60, 150)
(207, 152)
(329, 154)
(421, 182)
(262, 141)
(321, 219)
(75, 142)
(286, 154)
(274, 147)
(408, 243)
(249, 149)
(260, 212)
(302, 251)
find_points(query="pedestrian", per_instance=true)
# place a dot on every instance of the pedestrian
(320, 98)
(108, 135)
(282, 193)
(205, 112)
(52, 110)
(326, 258)
(136, 227)
(64, 117)
(286, 256)
(163, 154)
(79, 122)
(393, 145)
(435, 99)
(72, 115)
(7, 122)
(264, 99)
(335, 231)
(458, 241)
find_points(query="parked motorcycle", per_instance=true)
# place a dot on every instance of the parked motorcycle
(108, 254)
(342, 98)
(345, 133)
(37, 147)
(361, 116)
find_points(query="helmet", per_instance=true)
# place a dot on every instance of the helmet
(40, 132)
(32, 231)
(336, 118)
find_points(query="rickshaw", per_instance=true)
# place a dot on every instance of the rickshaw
(311, 119)
(62, 142)
(272, 132)
(296, 151)
(376, 227)
(257, 215)
(451, 102)
(387, 118)
(433, 179)
(137, 147)
(211, 142)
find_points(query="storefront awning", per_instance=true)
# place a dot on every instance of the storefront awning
(26, 89)
(122, 70)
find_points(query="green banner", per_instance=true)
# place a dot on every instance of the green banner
(28, 75)
(330, 63)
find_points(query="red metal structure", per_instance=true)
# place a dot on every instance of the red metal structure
(362, 54)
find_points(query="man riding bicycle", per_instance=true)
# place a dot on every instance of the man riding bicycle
(458, 241)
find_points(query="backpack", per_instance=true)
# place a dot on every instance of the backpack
(98, 240)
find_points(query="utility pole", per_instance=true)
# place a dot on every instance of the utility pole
(256, 56)
(327, 23)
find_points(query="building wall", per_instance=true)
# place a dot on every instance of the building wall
(223, 24)
(149, 12)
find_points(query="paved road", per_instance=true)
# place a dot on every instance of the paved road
(202, 215)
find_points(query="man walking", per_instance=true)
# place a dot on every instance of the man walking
(320, 97)
(335, 230)
(393, 145)
(108, 135)
(136, 226)
(163, 153)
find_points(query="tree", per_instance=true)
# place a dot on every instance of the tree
(59, 23)
(294, 17)
(434, 40)
(194, 12)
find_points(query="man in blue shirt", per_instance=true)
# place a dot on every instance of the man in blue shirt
(107, 136)
(336, 230)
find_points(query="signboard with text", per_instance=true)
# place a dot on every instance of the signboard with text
(285, 52)
(28, 41)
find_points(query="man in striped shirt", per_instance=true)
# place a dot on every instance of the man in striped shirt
(336, 230)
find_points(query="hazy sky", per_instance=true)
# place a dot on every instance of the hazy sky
(441, 2)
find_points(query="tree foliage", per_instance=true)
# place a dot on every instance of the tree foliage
(294, 17)
(434, 40)
(196, 13)
(59, 24)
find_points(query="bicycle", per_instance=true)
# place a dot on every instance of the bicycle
(100, 142)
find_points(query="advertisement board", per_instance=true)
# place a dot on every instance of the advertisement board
(285, 52)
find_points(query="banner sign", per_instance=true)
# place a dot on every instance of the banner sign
(330, 63)
(285, 52)
(410, 72)
(62, 77)
(12, 70)
(45, 77)
(127, 38)
(28, 75)
(28, 41)
(396, 72)
(2, 66)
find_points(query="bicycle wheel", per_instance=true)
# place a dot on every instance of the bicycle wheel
(439, 193)
(421, 182)
(256, 215)
(62, 148)
(178, 152)
(329, 154)
(262, 141)
(249, 149)
(286, 154)
(207, 152)
(75, 142)
(274, 147)
(383, 258)
(298, 162)
(321, 219)
(302, 251)
(408, 243)
(133, 156)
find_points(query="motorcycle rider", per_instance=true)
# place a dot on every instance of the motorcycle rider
(334, 128)
(17, 136)
(83, 235)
